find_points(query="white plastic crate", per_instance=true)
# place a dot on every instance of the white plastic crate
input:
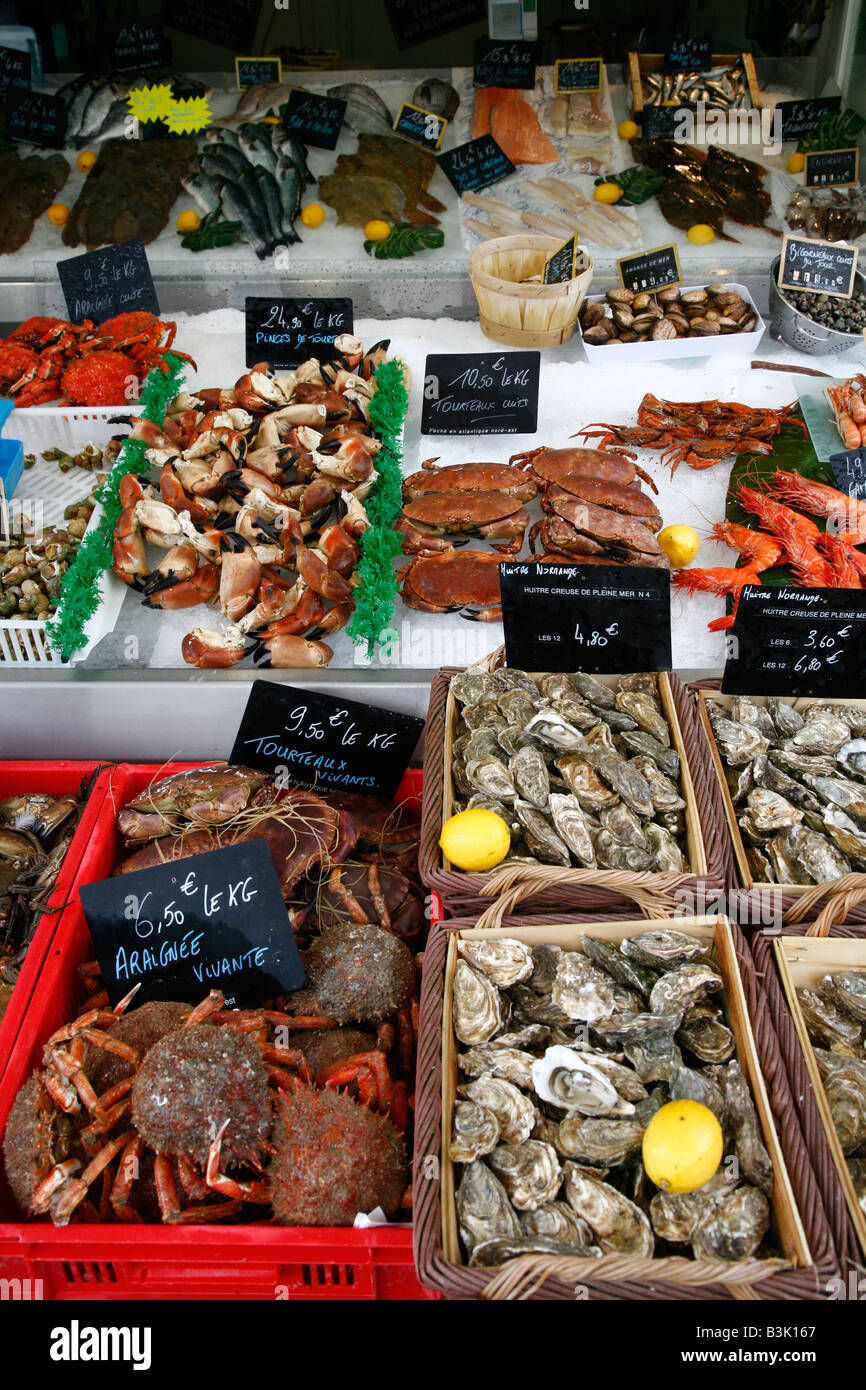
(66, 427)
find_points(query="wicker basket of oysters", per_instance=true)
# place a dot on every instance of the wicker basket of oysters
(560, 1045)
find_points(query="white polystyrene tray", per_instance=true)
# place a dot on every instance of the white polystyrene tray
(723, 345)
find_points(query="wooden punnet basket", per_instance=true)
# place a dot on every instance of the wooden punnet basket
(797, 902)
(786, 963)
(799, 1226)
(527, 315)
(552, 889)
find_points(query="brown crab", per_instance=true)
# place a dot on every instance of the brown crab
(491, 514)
(582, 528)
(555, 465)
(469, 477)
(454, 581)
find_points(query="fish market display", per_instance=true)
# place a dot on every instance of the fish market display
(248, 479)
(129, 192)
(32, 569)
(706, 186)
(36, 830)
(828, 214)
(835, 1013)
(625, 317)
(848, 403)
(98, 107)
(295, 1112)
(699, 433)
(255, 175)
(44, 358)
(583, 773)
(724, 88)
(797, 778)
(504, 113)
(386, 178)
(29, 187)
(562, 1062)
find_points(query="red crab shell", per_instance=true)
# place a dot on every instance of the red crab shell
(98, 378)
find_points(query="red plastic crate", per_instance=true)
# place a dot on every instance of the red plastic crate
(183, 1262)
(56, 778)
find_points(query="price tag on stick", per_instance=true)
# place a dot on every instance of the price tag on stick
(213, 921)
(481, 393)
(477, 164)
(314, 119)
(285, 332)
(309, 739)
(820, 267)
(504, 63)
(565, 264)
(577, 75)
(689, 55)
(566, 617)
(788, 641)
(650, 270)
(112, 280)
(250, 71)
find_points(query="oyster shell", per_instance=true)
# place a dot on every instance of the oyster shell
(850, 838)
(470, 687)
(545, 960)
(594, 690)
(570, 823)
(666, 853)
(678, 989)
(840, 791)
(767, 774)
(612, 854)
(476, 1005)
(474, 1131)
(821, 732)
(646, 1039)
(601, 1142)
(557, 1221)
(664, 949)
(734, 1228)
(857, 1173)
(849, 989)
(495, 1252)
(509, 678)
(755, 1162)
(484, 715)
(644, 710)
(821, 859)
(530, 1006)
(509, 1063)
(481, 743)
(551, 728)
(624, 825)
(577, 712)
(687, 1083)
(529, 1172)
(514, 1112)
(611, 959)
(504, 960)
(581, 990)
(786, 719)
(844, 1080)
(668, 759)
(540, 837)
(851, 757)
(641, 680)
(531, 1035)
(490, 776)
(739, 743)
(483, 1209)
(783, 852)
(827, 1023)
(617, 1224)
(747, 711)
(591, 792)
(517, 706)
(557, 685)
(665, 796)
(570, 1081)
(675, 1216)
(616, 721)
(770, 811)
(529, 775)
(708, 1038)
(623, 777)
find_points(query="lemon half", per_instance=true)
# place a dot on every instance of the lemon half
(682, 1146)
(475, 840)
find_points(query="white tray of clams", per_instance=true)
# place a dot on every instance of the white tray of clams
(657, 349)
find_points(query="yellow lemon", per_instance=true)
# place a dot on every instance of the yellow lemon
(682, 1146)
(86, 160)
(377, 230)
(670, 102)
(58, 213)
(313, 215)
(700, 234)
(188, 221)
(475, 840)
(608, 193)
(627, 131)
(796, 163)
(271, 120)
(680, 544)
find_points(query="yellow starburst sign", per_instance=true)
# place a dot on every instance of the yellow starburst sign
(151, 103)
(185, 117)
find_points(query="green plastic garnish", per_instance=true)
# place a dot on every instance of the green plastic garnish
(211, 232)
(405, 239)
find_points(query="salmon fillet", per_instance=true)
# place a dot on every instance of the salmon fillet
(515, 128)
(485, 97)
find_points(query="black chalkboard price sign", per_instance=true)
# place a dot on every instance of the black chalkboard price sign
(577, 75)
(789, 641)
(112, 280)
(229, 23)
(249, 71)
(821, 267)
(565, 264)
(650, 270)
(140, 44)
(305, 738)
(689, 55)
(414, 23)
(314, 119)
(35, 118)
(14, 68)
(664, 122)
(414, 123)
(504, 63)
(801, 117)
(849, 469)
(832, 167)
(215, 921)
(481, 393)
(568, 617)
(477, 164)
(285, 332)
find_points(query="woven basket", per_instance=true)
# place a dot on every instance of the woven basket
(839, 899)
(549, 888)
(524, 315)
(620, 1277)
(823, 1147)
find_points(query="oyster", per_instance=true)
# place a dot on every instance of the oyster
(577, 712)
(611, 959)
(623, 777)
(489, 803)
(667, 855)
(847, 795)
(664, 949)
(483, 1209)
(534, 1007)
(708, 1038)
(826, 1022)
(747, 711)
(476, 1004)
(646, 1039)
(490, 776)
(594, 690)
(551, 728)
(612, 854)
(514, 1112)
(849, 988)
(531, 1035)
(665, 796)
(668, 759)
(529, 775)
(570, 823)
(766, 774)
(740, 780)
(580, 989)
(592, 794)
(512, 738)
(844, 1080)
(786, 719)
(740, 743)
(529, 1172)
(857, 1173)
(617, 1224)
(641, 680)
(545, 960)
(495, 1252)
(541, 839)
(770, 811)
(850, 838)
(821, 732)
(615, 721)
(484, 715)
(474, 1132)
(570, 1081)
(509, 1063)
(508, 678)
(470, 687)
(557, 1221)
(517, 706)
(675, 1216)
(624, 825)
(783, 852)
(504, 960)
(481, 743)
(678, 989)
(734, 1228)
(755, 1162)
(821, 859)
(558, 685)
(644, 710)
(687, 1083)
(852, 757)
(605, 1142)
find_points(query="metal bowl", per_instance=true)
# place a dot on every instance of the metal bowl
(803, 333)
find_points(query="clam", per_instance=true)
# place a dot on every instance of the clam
(529, 1172)
(734, 1229)
(570, 1081)
(514, 1112)
(483, 1209)
(474, 1132)
(505, 961)
(617, 1224)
